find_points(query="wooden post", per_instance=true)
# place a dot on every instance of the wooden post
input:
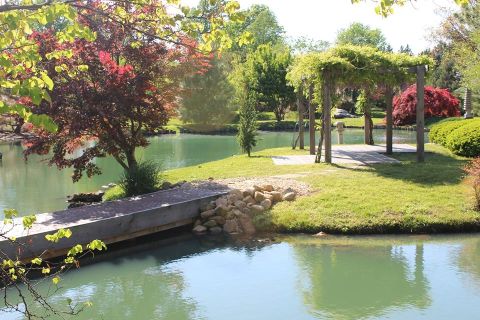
(389, 116)
(420, 113)
(311, 120)
(301, 128)
(327, 120)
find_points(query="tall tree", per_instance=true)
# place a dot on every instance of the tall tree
(207, 96)
(362, 35)
(265, 70)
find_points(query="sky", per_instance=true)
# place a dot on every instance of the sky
(321, 19)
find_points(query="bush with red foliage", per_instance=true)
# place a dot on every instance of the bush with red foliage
(438, 103)
(110, 91)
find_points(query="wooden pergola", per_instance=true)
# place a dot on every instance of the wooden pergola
(319, 75)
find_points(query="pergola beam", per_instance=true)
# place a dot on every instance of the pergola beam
(311, 120)
(420, 113)
(389, 116)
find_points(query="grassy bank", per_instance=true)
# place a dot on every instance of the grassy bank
(384, 198)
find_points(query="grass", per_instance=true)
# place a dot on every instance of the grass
(384, 198)
(378, 118)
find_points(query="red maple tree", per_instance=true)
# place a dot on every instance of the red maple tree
(438, 103)
(108, 93)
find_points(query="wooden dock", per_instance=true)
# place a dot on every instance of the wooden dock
(110, 222)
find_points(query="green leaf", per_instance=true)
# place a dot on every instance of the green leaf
(97, 245)
(28, 221)
(37, 261)
(56, 280)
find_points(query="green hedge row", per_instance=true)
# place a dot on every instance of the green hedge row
(460, 136)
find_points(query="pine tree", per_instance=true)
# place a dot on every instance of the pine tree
(247, 126)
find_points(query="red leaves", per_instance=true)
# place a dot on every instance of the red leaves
(438, 103)
(119, 73)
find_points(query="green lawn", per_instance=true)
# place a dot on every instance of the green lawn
(384, 198)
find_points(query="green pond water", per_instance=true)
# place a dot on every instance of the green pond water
(296, 277)
(34, 187)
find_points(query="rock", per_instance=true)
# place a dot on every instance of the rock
(166, 185)
(200, 229)
(222, 201)
(216, 230)
(231, 226)
(230, 215)
(256, 209)
(289, 196)
(320, 234)
(221, 210)
(210, 224)
(267, 187)
(237, 193)
(197, 222)
(219, 220)
(249, 192)
(248, 200)
(240, 204)
(288, 190)
(259, 197)
(247, 211)
(246, 224)
(111, 185)
(207, 214)
(258, 188)
(276, 196)
(266, 204)
(237, 213)
(231, 198)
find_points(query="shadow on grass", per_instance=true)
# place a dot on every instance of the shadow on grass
(438, 169)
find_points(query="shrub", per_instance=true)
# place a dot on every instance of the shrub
(247, 127)
(144, 178)
(473, 170)
(465, 140)
(440, 131)
(438, 103)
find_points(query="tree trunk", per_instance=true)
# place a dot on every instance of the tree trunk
(368, 127)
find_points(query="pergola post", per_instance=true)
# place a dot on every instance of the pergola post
(389, 116)
(420, 113)
(327, 120)
(301, 129)
(311, 120)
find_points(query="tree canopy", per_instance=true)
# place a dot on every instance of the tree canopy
(359, 34)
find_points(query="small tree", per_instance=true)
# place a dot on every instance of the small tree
(438, 103)
(247, 126)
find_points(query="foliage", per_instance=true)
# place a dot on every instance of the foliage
(16, 271)
(207, 97)
(473, 170)
(438, 103)
(260, 25)
(386, 7)
(465, 141)
(247, 126)
(359, 34)
(354, 67)
(144, 178)
(108, 92)
(21, 74)
(265, 71)
(444, 73)
(461, 31)
(302, 45)
(462, 137)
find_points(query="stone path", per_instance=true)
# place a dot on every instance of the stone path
(349, 154)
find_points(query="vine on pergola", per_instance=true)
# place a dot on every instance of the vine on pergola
(364, 68)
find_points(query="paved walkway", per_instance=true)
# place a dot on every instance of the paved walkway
(349, 154)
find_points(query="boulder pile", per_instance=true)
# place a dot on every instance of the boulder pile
(234, 212)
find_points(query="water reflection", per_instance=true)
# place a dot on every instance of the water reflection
(299, 278)
(346, 282)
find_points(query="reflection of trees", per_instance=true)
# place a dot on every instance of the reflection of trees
(468, 258)
(353, 282)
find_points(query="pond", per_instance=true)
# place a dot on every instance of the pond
(295, 277)
(34, 187)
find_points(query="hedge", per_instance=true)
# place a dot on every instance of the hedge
(460, 137)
